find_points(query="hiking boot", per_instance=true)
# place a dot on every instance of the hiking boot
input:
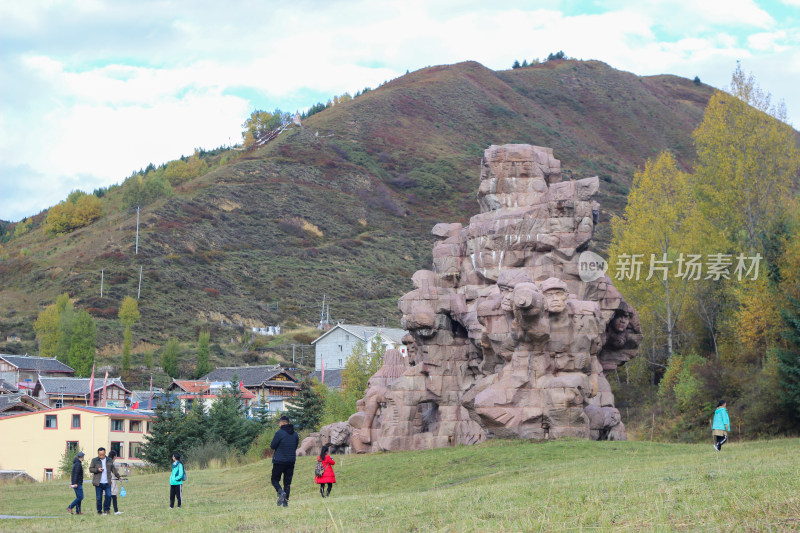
(281, 499)
(286, 502)
(70, 510)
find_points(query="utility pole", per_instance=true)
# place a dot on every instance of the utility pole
(293, 345)
(101, 283)
(139, 292)
(137, 229)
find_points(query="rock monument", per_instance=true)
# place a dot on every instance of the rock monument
(507, 336)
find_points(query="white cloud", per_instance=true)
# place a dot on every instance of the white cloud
(108, 87)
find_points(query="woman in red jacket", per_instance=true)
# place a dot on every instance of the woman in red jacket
(327, 477)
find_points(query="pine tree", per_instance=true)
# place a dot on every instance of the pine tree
(515, 65)
(227, 422)
(789, 358)
(164, 439)
(306, 409)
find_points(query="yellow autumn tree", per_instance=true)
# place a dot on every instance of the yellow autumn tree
(653, 249)
(747, 160)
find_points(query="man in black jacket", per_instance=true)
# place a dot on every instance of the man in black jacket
(285, 445)
(77, 483)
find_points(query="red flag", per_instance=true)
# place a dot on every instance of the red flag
(322, 377)
(105, 380)
(150, 398)
(91, 388)
(241, 384)
(135, 405)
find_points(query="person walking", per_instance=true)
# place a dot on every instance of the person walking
(327, 477)
(721, 425)
(114, 481)
(285, 445)
(176, 481)
(101, 481)
(76, 481)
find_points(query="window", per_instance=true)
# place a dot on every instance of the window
(58, 404)
(72, 445)
(340, 362)
(148, 427)
(48, 474)
(135, 450)
(347, 337)
(340, 348)
(117, 447)
(135, 426)
(117, 425)
(50, 422)
(76, 421)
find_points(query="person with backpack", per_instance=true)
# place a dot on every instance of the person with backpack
(77, 483)
(285, 444)
(721, 425)
(323, 473)
(114, 481)
(176, 480)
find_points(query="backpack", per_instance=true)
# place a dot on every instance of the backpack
(185, 477)
(319, 471)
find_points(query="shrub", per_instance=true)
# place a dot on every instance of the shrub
(213, 453)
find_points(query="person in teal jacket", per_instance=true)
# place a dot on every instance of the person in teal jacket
(721, 426)
(176, 481)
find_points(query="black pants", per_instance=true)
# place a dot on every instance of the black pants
(175, 491)
(114, 503)
(285, 470)
(322, 486)
(720, 441)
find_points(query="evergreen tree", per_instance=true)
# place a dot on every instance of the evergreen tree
(169, 358)
(306, 410)
(203, 352)
(227, 422)
(67, 458)
(516, 64)
(524, 63)
(164, 437)
(82, 344)
(789, 358)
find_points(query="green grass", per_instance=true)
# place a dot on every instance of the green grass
(498, 486)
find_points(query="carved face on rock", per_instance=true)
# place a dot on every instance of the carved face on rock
(555, 300)
(620, 321)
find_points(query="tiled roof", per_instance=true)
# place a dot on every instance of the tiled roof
(8, 401)
(40, 364)
(366, 332)
(192, 386)
(76, 385)
(8, 387)
(333, 378)
(251, 376)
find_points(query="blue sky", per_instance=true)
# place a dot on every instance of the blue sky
(91, 90)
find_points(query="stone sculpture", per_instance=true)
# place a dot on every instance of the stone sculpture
(505, 337)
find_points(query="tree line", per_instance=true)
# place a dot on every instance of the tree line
(720, 311)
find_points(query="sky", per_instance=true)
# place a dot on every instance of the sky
(93, 90)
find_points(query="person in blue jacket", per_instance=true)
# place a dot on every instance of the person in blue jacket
(176, 481)
(721, 426)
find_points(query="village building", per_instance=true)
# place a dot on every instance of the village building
(19, 402)
(60, 392)
(191, 393)
(335, 346)
(23, 371)
(273, 385)
(34, 442)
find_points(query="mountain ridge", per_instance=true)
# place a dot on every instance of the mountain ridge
(343, 206)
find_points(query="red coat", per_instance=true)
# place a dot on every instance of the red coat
(328, 476)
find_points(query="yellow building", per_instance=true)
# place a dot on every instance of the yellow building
(35, 442)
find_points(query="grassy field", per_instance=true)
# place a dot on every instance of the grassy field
(497, 486)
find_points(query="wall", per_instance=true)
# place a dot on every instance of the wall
(337, 345)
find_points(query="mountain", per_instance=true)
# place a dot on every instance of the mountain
(343, 206)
